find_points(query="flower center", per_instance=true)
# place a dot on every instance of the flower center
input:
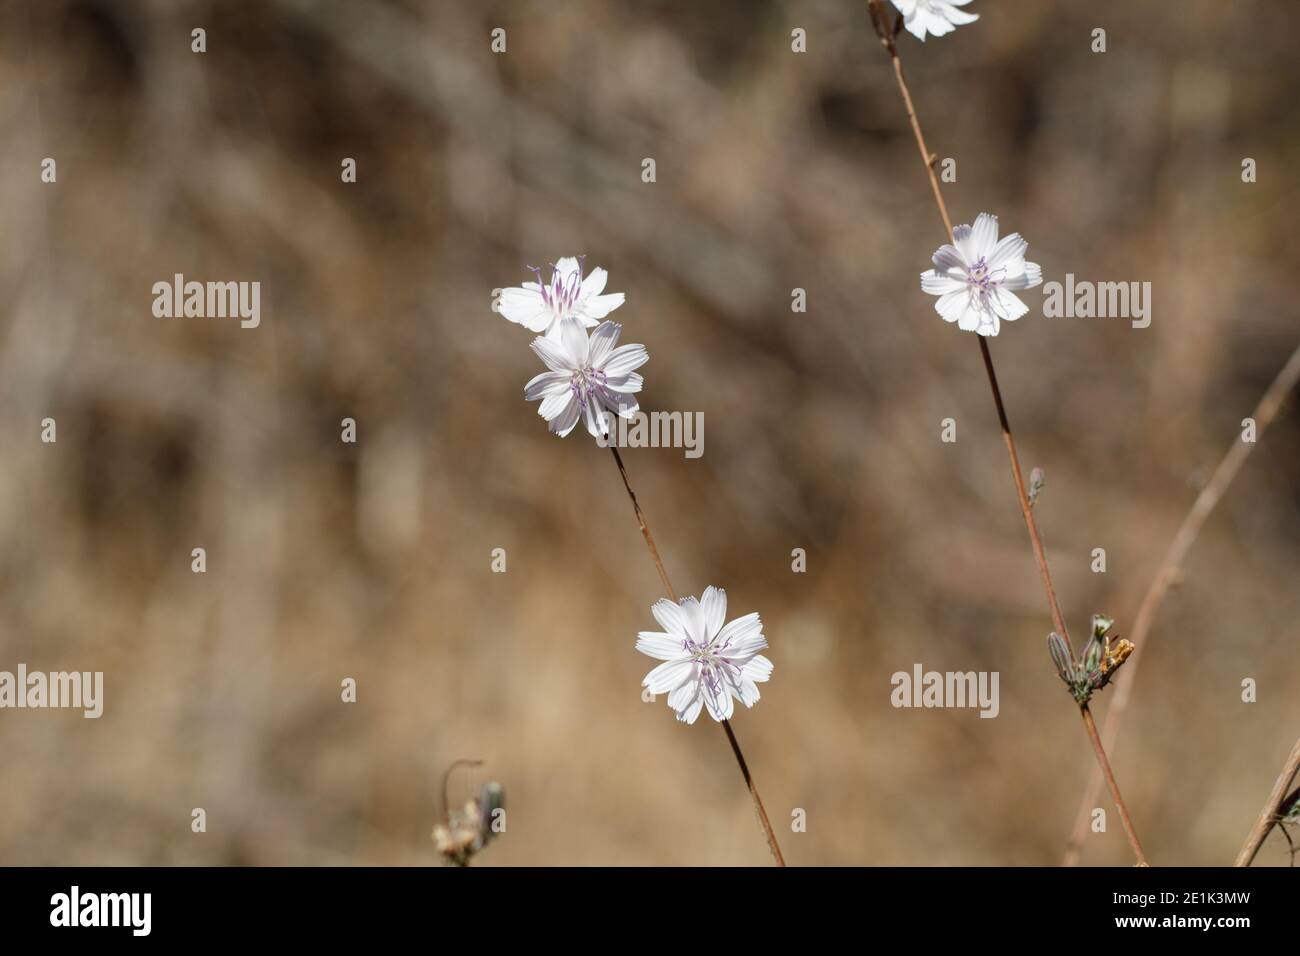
(983, 281)
(584, 382)
(710, 660)
(561, 293)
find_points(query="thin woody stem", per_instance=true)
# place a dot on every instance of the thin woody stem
(766, 824)
(645, 528)
(887, 34)
(1167, 574)
(1270, 815)
(1089, 723)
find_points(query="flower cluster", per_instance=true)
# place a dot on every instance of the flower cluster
(707, 663)
(1101, 659)
(589, 376)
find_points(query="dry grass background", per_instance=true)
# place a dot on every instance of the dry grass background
(775, 170)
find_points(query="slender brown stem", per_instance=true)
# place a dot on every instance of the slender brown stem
(1089, 723)
(880, 20)
(766, 824)
(1040, 556)
(1167, 574)
(1268, 817)
(753, 792)
(645, 528)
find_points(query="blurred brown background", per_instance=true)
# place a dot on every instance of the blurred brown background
(775, 170)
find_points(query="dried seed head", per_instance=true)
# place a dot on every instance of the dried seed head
(467, 830)
(1116, 654)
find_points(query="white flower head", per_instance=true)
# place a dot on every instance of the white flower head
(568, 294)
(587, 377)
(936, 17)
(706, 664)
(975, 276)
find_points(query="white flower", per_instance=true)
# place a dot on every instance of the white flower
(568, 295)
(936, 16)
(705, 663)
(586, 377)
(976, 274)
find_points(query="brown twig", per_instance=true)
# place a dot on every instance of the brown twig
(887, 36)
(1269, 816)
(1168, 573)
(1104, 763)
(766, 824)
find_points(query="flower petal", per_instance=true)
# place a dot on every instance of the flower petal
(741, 639)
(595, 417)
(690, 713)
(718, 701)
(599, 306)
(714, 603)
(1030, 277)
(573, 339)
(552, 352)
(947, 258)
(687, 692)
(953, 305)
(593, 283)
(939, 283)
(547, 383)
(669, 675)
(983, 235)
(625, 383)
(624, 359)
(525, 307)
(757, 669)
(660, 646)
(1008, 254)
(694, 615)
(1010, 306)
(602, 342)
(566, 421)
(671, 618)
(553, 406)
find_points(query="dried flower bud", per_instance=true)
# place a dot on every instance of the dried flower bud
(1093, 653)
(1061, 657)
(1037, 479)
